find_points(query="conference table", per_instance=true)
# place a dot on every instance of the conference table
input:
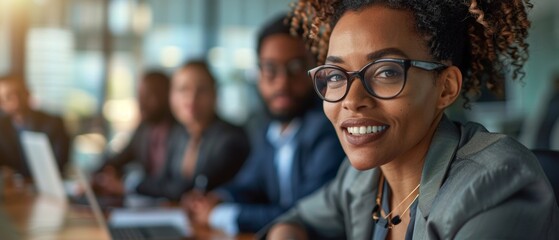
(24, 214)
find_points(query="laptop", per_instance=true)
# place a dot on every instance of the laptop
(155, 223)
(43, 166)
(159, 223)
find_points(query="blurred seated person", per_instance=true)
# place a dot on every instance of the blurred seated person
(205, 150)
(18, 116)
(294, 153)
(148, 145)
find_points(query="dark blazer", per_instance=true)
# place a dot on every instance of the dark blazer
(474, 185)
(137, 149)
(11, 151)
(256, 187)
(223, 150)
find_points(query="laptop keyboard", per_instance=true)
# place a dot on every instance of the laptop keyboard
(127, 233)
(148, 232)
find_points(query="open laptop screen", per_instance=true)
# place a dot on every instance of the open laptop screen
(41, 161)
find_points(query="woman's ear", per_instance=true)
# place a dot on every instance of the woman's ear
(451, 86)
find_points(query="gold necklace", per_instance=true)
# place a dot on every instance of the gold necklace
(391, 222)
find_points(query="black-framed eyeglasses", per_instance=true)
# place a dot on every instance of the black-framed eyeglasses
(383, 78)
(270, 70)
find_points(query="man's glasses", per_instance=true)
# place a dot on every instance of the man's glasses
(291, 68)
(383, 78)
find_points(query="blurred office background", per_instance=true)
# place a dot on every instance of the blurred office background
(82, 59)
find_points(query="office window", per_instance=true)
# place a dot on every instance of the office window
(49, 67)
(4, 41)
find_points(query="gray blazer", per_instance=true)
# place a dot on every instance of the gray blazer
(474, 185)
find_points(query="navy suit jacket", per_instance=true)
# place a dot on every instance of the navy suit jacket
(256, 188)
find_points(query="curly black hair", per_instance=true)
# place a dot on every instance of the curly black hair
(484, 38)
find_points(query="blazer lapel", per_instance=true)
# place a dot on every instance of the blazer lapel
(13, 146)
(144, 145)
(361, 203)
(268, 166)
(441, 153)
(297, 169)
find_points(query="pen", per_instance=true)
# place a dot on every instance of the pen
(201, 183)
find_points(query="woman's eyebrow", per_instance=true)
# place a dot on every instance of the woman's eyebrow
(334, 59)
(385, 52)
(372, 56)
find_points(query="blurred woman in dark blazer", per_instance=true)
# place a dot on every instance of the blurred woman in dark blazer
(204, 150)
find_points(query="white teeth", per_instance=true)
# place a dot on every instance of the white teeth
(362, 130)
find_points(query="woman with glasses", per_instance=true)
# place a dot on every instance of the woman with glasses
(390, 70)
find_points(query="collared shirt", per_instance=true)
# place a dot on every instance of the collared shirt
(224, 216)
(285, 144)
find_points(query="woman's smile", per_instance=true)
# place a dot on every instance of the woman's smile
(359, 132)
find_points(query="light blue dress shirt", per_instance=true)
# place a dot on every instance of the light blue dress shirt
(224, 216)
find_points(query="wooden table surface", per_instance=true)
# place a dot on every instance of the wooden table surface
(27, 215)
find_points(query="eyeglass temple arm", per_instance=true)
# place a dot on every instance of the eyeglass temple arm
(429, 66)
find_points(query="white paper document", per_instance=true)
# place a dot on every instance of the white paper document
(150, 217)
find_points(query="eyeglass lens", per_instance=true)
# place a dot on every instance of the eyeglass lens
(292, 68)
(381, 79)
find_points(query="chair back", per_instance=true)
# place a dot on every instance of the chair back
(549, 160)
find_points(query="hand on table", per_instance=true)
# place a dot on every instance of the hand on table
(199, 206)
(107, 182)
(287, 231)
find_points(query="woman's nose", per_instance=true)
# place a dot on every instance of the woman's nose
(357, 97)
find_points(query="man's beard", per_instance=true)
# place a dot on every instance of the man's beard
(298, 110)
(287, 116)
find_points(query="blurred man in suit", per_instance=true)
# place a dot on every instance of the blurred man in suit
(148, 144)
(19, 116)
(294, 153)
